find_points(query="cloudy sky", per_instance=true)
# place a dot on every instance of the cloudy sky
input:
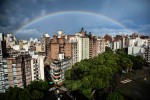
(15, 14)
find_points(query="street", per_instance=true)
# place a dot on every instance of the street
(138, 88)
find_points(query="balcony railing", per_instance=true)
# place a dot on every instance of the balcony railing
(56, 77)
(57, 69)
(56, 61)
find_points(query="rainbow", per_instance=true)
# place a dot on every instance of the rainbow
(70, 12)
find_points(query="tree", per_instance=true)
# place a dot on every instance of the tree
(138, 62)
(16, 94)
(37, 89)
(108, 49)
(38, 85)
(2, 96)
(24, 95)
(99, 73)
(89, 74)
(127, 64)
(36, 95)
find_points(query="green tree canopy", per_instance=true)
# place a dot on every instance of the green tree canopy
(99, 72)
(34, 91)
(89, 74)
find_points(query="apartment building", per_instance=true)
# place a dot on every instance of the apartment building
(10, 40)
(16, 72)
(137, 45)
(60, 44)
(116, 42)
(15, 69)
(92, 46)
(40, 48)
(96, 46)
(73, 40)
(58, 68)
(2, 55)
(74, 53)
(100, 45)
(108, 41)
(147, 54)
(37, 67)
(85, 48)
(82, 46)
(45, 40)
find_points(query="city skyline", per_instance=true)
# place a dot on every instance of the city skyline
(34, 17)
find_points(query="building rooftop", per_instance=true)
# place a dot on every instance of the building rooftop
(46, 35)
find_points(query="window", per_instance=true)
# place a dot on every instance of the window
(13, 66)
(5, 70)
(5, 63)
(14, 69)
(14, 78)
(15, 81)
(5, 75)
(14, 73)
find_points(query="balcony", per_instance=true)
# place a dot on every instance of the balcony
(56, 76)
(57, 79)
(57, 69)
(56, 61)
(56, 72)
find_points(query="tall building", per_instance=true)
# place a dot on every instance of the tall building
(74, 53)
(73, 40)
(45, 45)
(16, 72)
(125, 41)
(45, 40)
(58, 68)
(54, 50)
(15, 68)
(100, 45)
(2, 63)
(92, 45)
(60, 44)
(147, 54)
(40, 48)
(85, 48)
(96, 45)
(82, 46)
(10, 41)
(108, 41)
(3, 51)
(37, 67)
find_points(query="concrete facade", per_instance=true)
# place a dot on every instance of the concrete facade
(37, 67)
(147, 54)
(16, 72)
(58, 68)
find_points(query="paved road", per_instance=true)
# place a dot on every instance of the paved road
(138, 88)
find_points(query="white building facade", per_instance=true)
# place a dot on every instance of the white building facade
(37, 67)
(137, 46)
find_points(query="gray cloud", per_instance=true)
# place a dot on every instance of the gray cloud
(43, 12)
(27, 33)
(111, 31)
(132, 13)
(14, 14)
